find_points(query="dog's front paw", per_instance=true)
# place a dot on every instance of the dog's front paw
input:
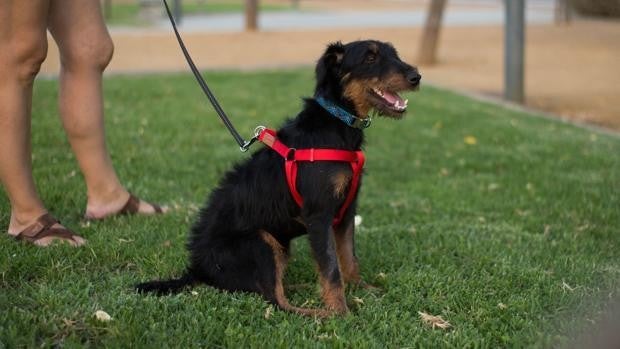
(337, 306)
(337, 312)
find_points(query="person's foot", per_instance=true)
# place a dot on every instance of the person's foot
(118, 204)
(43, 230)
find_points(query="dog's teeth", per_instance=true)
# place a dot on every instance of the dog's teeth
(406, 102)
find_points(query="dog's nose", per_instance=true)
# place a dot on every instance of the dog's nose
(414, 78)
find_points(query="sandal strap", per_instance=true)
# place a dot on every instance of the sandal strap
(42, 227)
(42, 223)
(63, 233)
(131, 206)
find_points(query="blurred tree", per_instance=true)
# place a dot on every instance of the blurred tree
(563, 12)
(177, 10)
(514, 51)
(603, 8)
(251, 15)
(150, 10)
(430, 36)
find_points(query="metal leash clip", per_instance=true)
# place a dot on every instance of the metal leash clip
(246, 145)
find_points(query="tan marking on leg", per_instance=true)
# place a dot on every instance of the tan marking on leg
(349, 265)
(333, 296)
(280, 260)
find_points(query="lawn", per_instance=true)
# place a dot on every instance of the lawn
(128, 13)
(504, 224)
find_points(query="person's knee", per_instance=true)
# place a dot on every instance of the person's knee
(97, 55)
(26, 57)
(104, 54)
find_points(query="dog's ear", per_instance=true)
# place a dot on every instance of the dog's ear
(333, 54)
(329, 62)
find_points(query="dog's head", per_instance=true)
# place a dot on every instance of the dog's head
(366, 75)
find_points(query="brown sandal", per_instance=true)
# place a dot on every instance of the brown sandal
(133, 205)
(42, 227)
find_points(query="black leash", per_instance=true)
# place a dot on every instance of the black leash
(243, 145)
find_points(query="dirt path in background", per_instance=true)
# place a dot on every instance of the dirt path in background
(572, 71)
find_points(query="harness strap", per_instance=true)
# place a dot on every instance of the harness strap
(292, 156)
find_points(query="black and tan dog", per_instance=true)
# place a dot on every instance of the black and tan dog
(241, 239)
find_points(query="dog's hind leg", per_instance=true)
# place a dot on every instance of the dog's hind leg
(273, 288)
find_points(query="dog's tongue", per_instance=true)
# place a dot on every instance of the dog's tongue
(393, 98)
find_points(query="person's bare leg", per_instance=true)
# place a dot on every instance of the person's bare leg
(85, 50)
(23, 47)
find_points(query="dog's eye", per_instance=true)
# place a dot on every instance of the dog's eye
(371, 58)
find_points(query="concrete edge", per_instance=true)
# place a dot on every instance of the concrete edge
(529, 111)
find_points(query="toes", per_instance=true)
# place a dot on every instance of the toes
(49, 240)
(77, 241)
(148, 208)
(46, 241)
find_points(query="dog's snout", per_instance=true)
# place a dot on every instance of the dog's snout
(414, 77)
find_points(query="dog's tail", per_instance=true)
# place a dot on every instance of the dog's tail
(165, 287)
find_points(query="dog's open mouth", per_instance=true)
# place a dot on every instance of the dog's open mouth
(387, 102)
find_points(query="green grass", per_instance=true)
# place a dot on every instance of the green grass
(514, 239)
(128, 13)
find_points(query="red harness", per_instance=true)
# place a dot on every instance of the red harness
(292, 156)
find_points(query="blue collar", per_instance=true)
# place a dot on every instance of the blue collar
(342, 114)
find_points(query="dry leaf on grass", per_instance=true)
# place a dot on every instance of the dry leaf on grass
(493, 186)
(470, 140)
(68, 322)
(268, 312)
(102, 316)
(566, 286)
(434, 321)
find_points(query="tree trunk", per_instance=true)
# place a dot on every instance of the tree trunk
(251, 15)
(563, 14)
(514, 51)
(430, 36)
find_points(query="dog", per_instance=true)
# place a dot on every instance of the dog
(241, 239)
